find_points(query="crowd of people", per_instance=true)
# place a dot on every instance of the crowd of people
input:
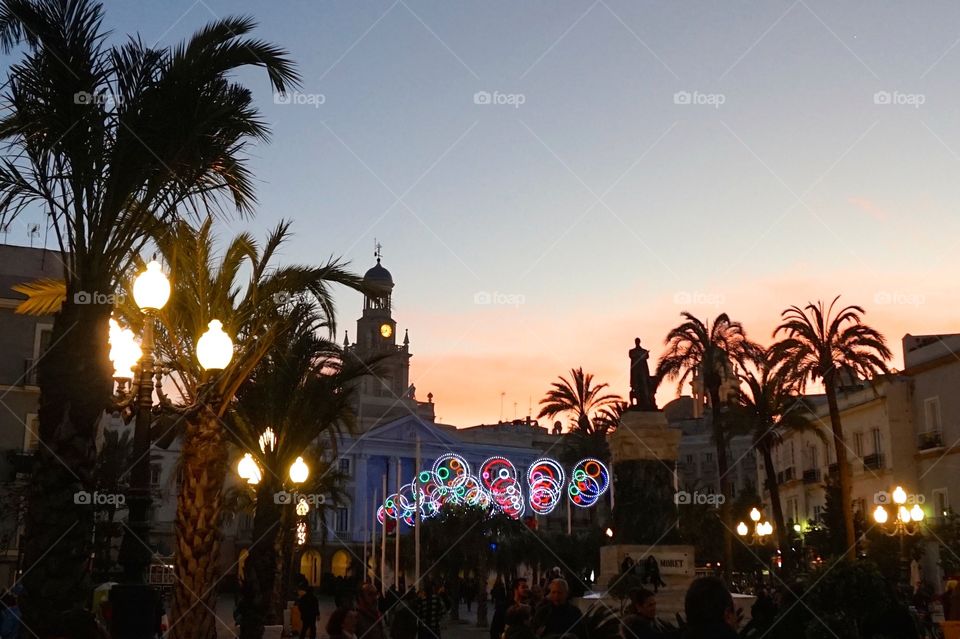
(538, 610)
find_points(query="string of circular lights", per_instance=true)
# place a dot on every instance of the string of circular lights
(495, 487)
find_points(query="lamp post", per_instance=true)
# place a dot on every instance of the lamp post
(906, 523)
(761, 530)
(135, 601)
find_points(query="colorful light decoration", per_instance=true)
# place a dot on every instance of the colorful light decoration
(589, 480)
(545, 481)
(495, 487)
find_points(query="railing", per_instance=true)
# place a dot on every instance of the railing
(929, 439)
(811, 476)
(873, 462)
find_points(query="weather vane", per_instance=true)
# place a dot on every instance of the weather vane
(377, 253)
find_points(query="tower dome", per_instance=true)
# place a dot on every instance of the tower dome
(379, 276)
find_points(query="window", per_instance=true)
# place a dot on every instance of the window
(345, 466)
(812, 456)
(31, 432)
(155, 471)
(931, 412)
(791, 513)
(341, 520)
(940, 503)
(245, 522)
(690, 459)
(858, 444)
(817, 512)
(877, 441)
(42, 339)
(708, 458)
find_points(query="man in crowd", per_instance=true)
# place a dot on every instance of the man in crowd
(640, 617)
(710, 611)
(559, 617)
(369, 619)
(521, 596)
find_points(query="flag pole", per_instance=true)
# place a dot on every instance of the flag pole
(416, 519)
(396, 540)
(383, 542)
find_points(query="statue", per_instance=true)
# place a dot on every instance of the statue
(643, 385)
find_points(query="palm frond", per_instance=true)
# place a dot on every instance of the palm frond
(44, 296)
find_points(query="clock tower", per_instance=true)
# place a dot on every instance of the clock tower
(387, 394)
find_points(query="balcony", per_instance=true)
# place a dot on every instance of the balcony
(785, 475)
(929, 440)
(811, 476)
(873, 462)
(21, 460)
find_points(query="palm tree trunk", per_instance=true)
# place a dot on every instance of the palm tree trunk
(198, 535)
(843, 466)
(285, 561)
(720, 437)
(257, 598)
(75, 389)
(774, 488)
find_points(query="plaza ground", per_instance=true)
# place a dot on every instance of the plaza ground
(463, 629)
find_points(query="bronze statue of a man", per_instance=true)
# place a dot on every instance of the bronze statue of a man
(642, 384)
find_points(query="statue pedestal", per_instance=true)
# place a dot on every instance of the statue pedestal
(645, 435)
(645, 451)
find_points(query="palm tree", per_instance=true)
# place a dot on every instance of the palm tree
(579, 397)
(301, 391)
(108, 143)
(698, 348)
(767, 408)
(819, 344)
(255, 313)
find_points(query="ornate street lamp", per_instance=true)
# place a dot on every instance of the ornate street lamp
(761, 530)
(905, 524)
(135, 601)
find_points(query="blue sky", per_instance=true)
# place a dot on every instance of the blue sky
(822, 158)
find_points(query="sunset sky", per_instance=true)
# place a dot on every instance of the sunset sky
(646, 158)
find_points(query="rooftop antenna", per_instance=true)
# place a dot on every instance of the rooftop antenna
(502, 394)
(5, 229)
(33, 231)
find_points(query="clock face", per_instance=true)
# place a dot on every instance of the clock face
(386, 330)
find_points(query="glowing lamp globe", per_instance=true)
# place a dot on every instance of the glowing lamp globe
(916, 513)
(899, 496)
(880, 515)
(151, 289)
(214, 348)
(299, 471)
(797, 528)
(742, 529)
(754, 515)
(124, 351)
(609, 532)
(903, 514)
(248, 469)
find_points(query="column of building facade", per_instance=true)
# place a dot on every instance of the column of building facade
(359, 523)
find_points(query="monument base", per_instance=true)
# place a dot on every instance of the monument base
(677, 570)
